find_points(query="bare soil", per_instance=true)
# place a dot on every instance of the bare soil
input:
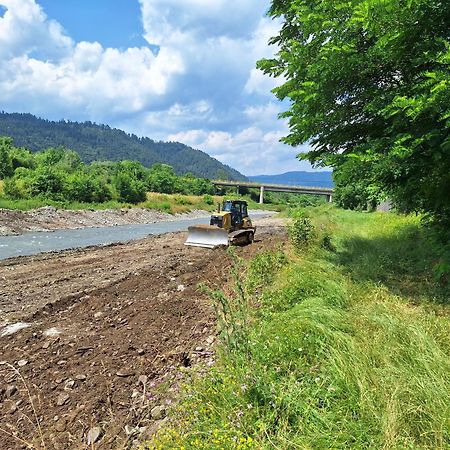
(109, 330)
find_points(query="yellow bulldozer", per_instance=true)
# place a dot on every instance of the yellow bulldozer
(229, 226)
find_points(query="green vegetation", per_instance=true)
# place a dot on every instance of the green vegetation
(344, 345)
(102, 143)
(59, 176)
(368, 84)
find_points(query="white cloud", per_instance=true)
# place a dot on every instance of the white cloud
(200, 88)
(24, 28)
(252, 150)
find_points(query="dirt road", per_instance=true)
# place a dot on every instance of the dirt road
(107, 328)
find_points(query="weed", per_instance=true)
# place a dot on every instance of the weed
(301, 232)
(232, 311)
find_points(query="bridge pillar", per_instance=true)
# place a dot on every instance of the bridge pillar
(330, 198)
(237, 190)
(261, 195)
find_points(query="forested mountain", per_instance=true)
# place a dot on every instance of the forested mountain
(298, 178)
(100, 142)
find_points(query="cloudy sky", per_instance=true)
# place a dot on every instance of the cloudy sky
(180, 70)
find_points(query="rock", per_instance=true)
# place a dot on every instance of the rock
(80, 377)
(46, 345)
(22, 362)
(210, 339)
(62, 399)
(93, 435)
(60, 426)
(181, 287)
(69, 384)
(124, 372)
(131, 430)
(199, 349)
(10, 390)
(158, 412)
(140, 351)
(98, 314)
(143, 379)
(13, 408)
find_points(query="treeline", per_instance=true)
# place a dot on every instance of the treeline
(95, 142)
(59, 174)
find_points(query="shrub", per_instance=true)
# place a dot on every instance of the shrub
(301, 232)
(208, 199)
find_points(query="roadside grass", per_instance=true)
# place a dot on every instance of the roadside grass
(345, 345)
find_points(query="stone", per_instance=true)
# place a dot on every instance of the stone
(80, 377)
(60, 426)
(199, 349)
(22, 362)
(131, 430)
(158, 412)
(62, 399)
(69, 384)
(210, 339)
(143, 379)
(181, 287)
(93, 435)
(124, 372)
(10, 390)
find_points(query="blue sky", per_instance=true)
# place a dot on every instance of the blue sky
(179, 70)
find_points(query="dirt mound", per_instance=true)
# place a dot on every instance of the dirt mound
(107, 328)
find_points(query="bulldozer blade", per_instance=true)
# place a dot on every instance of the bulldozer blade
(206, 236)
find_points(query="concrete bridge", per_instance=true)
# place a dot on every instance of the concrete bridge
(328, 192)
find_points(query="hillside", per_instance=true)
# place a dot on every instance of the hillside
(297, 178)
(100, 142)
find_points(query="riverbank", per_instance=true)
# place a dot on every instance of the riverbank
(49, 218)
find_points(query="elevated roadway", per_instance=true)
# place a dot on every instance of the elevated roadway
(309, 190)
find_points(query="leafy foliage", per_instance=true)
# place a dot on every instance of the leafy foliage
(301, 232)
(60, 175)
(369, 87)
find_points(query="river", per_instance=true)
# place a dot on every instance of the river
(34, 243)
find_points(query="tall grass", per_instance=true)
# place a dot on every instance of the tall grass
(347, 346)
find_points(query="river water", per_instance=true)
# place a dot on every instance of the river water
(33, 243)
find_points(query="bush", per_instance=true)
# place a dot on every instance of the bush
(128, 189)
(301, 232)
(208, 199)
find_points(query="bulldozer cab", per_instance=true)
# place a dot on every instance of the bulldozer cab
(238, 210)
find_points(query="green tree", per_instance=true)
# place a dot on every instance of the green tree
(162, 178)
(370, 79)
(128, 189)
(6, 167)
(47, 182)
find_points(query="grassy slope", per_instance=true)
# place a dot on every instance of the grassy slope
(342, 348)
(170, 203)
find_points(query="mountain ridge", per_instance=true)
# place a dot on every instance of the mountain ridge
(95, 142)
